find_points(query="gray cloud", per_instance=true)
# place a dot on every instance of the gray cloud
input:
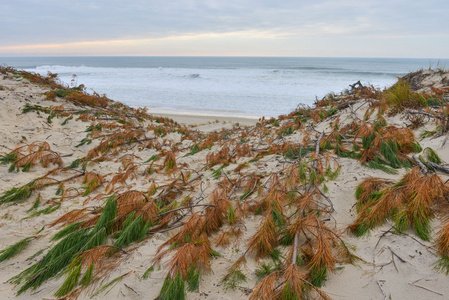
(28, 22)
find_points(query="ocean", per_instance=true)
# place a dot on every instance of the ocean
(221, 86)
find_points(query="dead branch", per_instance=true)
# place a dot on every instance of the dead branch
(438, 167)
(185, 207)
(417, 112)
(317, 147)
(295, 248)
(422, 166)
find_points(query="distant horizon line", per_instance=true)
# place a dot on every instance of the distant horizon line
(217, 56)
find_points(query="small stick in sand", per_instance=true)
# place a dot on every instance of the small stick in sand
(131, 289)
(383, 292)
(400, 258)
(424, 288)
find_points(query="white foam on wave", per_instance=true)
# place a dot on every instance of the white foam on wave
(237, 92)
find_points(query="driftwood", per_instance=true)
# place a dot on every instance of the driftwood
(345, 104)
(422, 166)
(417, 112)
(443, 118)
(356, 86)
(433, 165)
(438, 167)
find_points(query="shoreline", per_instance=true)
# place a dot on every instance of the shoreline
(200, 120)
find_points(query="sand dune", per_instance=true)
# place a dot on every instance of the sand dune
(244, 182)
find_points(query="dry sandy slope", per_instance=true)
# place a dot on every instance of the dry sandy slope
(400, 265)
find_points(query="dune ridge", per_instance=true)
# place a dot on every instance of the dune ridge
(344, 200)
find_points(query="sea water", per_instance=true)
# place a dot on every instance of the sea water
(221, 86)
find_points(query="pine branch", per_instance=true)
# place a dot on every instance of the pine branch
(15, 249)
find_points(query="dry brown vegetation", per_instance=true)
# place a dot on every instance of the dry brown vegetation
(296, 231)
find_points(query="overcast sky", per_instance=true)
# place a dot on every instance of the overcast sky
(393, 28)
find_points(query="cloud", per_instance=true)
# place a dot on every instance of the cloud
(54, 22)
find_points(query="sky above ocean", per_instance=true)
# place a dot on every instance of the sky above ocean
(324, 28)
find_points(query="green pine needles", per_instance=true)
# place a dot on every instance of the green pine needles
(74, 241)
(8, 158)
(148, 272)
(389, 150)
(233, 279)
(133, 230)
(108, 213)
(375, 164)
(109, 284)
(193, 279)
(173, 288)
(14, 249)
(70, 283)
(193, 150)
(318, 276)
(35, 204)
(17, 194)
(409, 203)
(65, 231)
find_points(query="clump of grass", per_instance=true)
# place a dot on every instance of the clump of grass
(431, 155)
(399, 97)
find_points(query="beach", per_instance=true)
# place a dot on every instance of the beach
(150, 201)
(204, 120)
(223, 86)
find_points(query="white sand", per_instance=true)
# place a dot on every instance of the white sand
(382, 271)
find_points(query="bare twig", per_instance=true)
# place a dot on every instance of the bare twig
(395, 254)
(427, 289)
(131, 289)
(295, 248)
(185, 207)
(383, 292)
(416, 112)
(317, 147)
